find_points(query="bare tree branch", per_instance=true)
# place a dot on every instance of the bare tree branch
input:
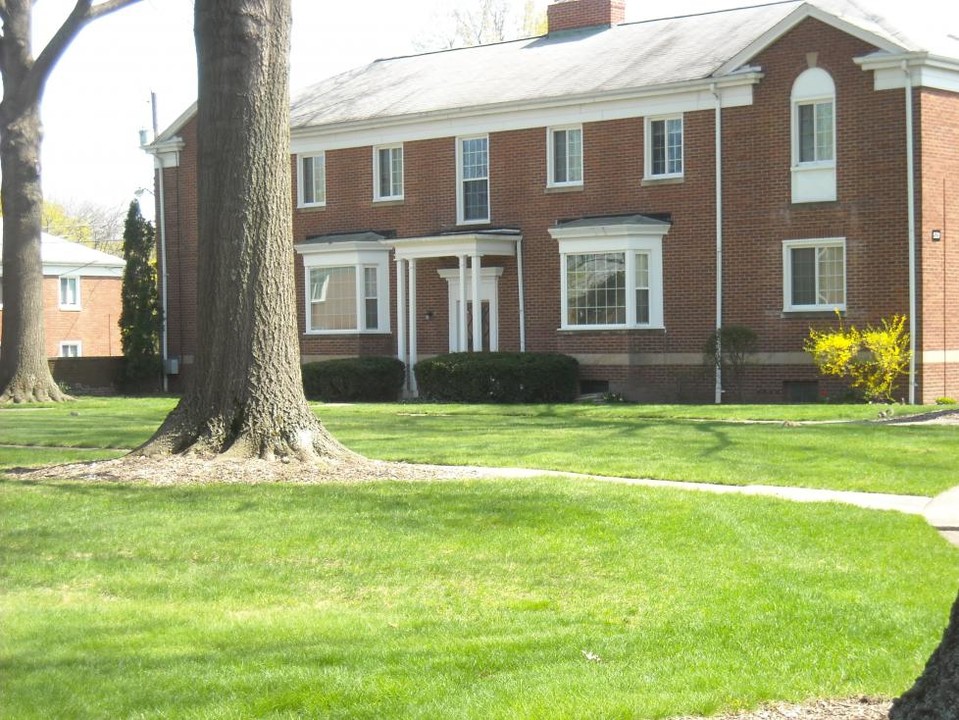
(83, 12)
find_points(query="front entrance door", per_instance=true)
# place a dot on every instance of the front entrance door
(489, 304)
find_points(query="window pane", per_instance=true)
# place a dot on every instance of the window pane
(574, 154)
(396, 170)
(674, 145)
(68, 291)
(560, 174)
(807, 133)
(642, 288)
(596, 289)
(385, 172)
(307, 175)
(475, 159)
(333, 298)
(658, 147)
(319, 178)
(476, 200)
(832, 276)
(371, 297)
(824, 140)
(803, 261)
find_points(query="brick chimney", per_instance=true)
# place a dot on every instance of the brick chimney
(576, 14)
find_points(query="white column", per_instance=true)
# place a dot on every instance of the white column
(477, 306)
(412, 359)
(401, 320)
(522, 295)
(461, 334)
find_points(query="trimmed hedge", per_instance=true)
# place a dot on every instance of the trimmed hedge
(499, 377)
(362, 379)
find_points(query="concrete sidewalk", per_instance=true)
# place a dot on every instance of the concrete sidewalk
(942, 511)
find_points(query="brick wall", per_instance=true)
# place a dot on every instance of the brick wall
(869, 212)
(573, 14)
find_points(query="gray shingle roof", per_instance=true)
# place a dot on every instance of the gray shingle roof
(564, 65)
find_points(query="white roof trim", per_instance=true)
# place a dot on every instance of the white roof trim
(436, 246)
(801, 13)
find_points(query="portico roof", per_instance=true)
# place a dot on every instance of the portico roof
(457, 244)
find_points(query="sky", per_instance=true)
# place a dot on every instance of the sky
(98, 96)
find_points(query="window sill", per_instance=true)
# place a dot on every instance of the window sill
(803, 313)
(668, 180)
(388, 202)
(551, 189)
(327, 333)
(70, 308)
(609, 328)
(311, 208)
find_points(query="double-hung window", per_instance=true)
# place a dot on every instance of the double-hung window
(565, 156)
(813, 140)
(814, 274)
(347, 286)
(664, 147)
(69, 292)
(311, 179)
(71, 348)
(388, 172)
(611, 276)
(472, 176)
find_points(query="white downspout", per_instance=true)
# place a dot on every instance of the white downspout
(719, 241)
(161, 226)
(911, 211)
(522, 295)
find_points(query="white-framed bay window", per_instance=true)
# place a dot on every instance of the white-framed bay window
(813, 137)
(564, 156)
(663, 147)
(346, 285)
(611, 273)
(472, 180)
(814, 275)
(311, 179)
(388, 172)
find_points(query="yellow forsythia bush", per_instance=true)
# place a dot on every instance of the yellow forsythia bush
(873, 358)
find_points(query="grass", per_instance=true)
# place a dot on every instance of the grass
(685, 443)
(452, 600)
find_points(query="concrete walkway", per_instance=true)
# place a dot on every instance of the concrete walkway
(942, 511)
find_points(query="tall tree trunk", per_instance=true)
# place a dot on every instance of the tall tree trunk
(246, 397)
(24, 370)
(935, 696)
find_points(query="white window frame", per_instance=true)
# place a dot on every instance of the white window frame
(1, 292)
(319, 198)
(551, 180)
(616, 239)
(812, 180)
(816, 243)
(395, 193)
(648, 148)
(358, 258)
(65, 304)
(64, 344)
(461, 180)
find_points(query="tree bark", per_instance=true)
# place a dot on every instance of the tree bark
(24, 371)
(246, 396)
(935, 696)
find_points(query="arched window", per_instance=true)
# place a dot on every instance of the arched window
(813, 137)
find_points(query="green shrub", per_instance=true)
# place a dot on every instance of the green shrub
(363, 379)
(499, 378)
(945, 401)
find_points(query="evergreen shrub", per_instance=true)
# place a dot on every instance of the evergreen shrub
(499, 377)
(362, 379)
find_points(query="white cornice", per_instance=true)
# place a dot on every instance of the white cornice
(925, 70)
(688, 96)
(166, 153)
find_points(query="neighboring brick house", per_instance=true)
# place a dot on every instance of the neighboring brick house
(568, 186)
(81, 299)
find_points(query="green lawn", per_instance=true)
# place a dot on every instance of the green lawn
(686, 443)
(452, 600)
(469, 599)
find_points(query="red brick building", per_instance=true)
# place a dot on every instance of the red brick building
(81, 299)
(617, 191)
